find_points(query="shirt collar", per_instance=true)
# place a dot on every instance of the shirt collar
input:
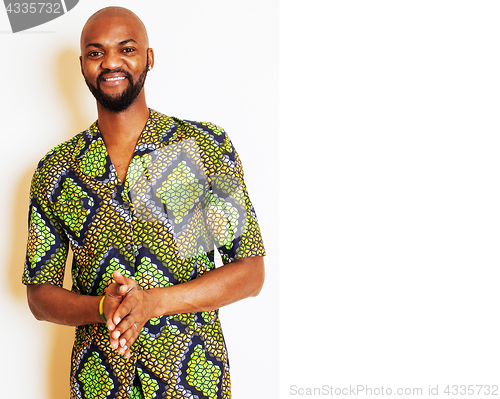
(158, 130)
(91, 156)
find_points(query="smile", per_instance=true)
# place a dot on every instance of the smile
(112, 79)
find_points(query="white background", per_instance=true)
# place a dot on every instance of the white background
(389, 182)
(215, 61)
(390, 162)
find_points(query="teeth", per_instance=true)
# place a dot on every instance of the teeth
(119, 78)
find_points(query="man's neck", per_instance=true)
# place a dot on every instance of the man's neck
(125, 127)
(121, 131)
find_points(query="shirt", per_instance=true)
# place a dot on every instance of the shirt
(184, 194)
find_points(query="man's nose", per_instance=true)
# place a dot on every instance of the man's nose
(111, 61)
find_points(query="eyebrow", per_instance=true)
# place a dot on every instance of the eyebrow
(99, 45)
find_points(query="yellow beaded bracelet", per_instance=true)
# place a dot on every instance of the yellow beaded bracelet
(101, 309)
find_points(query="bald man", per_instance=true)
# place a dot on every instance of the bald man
(142, 199)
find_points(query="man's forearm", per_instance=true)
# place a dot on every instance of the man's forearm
(220, 287)
(227, 284)
(58, 305)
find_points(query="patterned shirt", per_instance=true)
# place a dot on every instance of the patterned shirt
(184, 195)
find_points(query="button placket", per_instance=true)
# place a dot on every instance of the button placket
(127, 206)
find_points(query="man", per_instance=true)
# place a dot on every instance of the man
(142, 199)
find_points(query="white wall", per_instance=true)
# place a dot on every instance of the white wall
(390, 149)
(215, 61)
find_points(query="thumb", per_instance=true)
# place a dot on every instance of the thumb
(119, 278)
(123, 284)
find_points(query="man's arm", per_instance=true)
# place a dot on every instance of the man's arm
(224, 285)
(49, 302)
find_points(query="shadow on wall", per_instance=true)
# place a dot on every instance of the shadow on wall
(68, 82)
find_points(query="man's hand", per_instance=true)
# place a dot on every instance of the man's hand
(224, 285)
(112, 300)
(129, 311)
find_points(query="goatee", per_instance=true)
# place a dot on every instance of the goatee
(122, 101)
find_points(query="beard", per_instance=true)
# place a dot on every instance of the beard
(121, 102)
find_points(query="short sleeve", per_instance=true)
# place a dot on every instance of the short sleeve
(47, 247)
(242, 238)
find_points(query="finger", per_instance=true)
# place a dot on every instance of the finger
(124, 351)
(114, 290)
(125, 325)
(128, 338)
(109, 323)
(118, 277)
(122, 285)
(128, 304)
(122, 280)
(127, 353)
(113, 342)
(111, 303)
(120, 340)
(126, 332)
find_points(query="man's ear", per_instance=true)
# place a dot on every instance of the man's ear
(151, 56)
(81, 64)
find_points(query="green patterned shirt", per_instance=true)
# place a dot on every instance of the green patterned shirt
(184, 196)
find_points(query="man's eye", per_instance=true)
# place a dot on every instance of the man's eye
(94, 54)
(128, 50)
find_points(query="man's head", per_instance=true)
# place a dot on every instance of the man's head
(115, 57)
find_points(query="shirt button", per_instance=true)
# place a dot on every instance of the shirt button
(126, 205)
(128, 247)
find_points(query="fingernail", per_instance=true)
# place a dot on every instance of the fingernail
(117, 321)
(122, 342)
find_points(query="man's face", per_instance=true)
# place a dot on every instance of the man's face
(114, 61)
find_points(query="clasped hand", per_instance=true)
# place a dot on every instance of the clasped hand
(126, 310)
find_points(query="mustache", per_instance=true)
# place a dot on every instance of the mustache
(100, 77)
